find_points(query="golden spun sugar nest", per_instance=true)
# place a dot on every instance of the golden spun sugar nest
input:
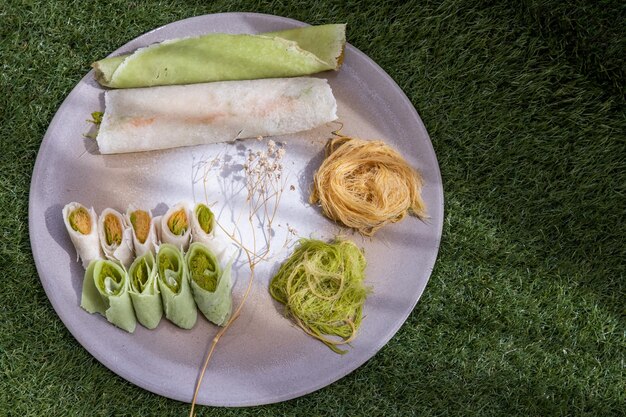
(366, 184)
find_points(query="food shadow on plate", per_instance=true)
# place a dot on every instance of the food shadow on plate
(56, 229)
(272, 271)
(231, 184)
(91, 129)
(160, 209)
(305, 179)
(90, 80)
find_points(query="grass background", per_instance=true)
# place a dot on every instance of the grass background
(524, 101)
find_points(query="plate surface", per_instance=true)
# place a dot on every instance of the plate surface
(263, 358)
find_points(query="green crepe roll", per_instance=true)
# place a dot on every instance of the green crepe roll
(211, 286)
(105, 291)
(144, 291)
(225, 57)
(173, 281)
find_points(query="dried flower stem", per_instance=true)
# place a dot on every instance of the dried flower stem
(264, 187)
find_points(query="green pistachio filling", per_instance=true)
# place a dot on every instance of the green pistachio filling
(80, 221)
(140, 275)
(178, 222)
(110, 279)
(140, 220)
(205, 218)
(205, 270)
(170, 270)
(112, 229)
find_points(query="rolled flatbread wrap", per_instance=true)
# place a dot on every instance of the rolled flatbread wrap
(82, 226)
(144, 290)
(175, 228)
(145, 238)
(146, 119)
(116, 237)
(173, 281)
(203, 230)
(221, 57)
(105, 291)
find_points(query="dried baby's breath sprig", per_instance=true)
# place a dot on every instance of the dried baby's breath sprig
(264, 184)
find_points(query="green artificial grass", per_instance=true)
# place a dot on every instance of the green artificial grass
(525, 311)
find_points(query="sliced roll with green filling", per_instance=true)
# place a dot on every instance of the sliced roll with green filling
(116, 237)
(173, 281)
(175, 228)
(105, 291)
(204, 230)
(144, 291)
(210, 284)
(82, 226)
(145, 237)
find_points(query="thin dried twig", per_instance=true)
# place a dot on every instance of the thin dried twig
(264, 184)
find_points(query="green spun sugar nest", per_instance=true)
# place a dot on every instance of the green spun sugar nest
(321, 286)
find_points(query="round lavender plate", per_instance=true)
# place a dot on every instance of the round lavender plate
(263, 358)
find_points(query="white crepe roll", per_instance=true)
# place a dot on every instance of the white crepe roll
(87, 244)
(121, 250)
(151, 238)
(144, 119)
(182, 239)
(214, 239)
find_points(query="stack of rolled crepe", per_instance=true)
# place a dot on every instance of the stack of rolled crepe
(226, 57)
(172, 283)
(236, 91)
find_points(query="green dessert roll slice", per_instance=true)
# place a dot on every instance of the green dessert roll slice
(210, 284)
(173, 281)
(226, 57)
(205, 230)
(105, 291)
(144, 291)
